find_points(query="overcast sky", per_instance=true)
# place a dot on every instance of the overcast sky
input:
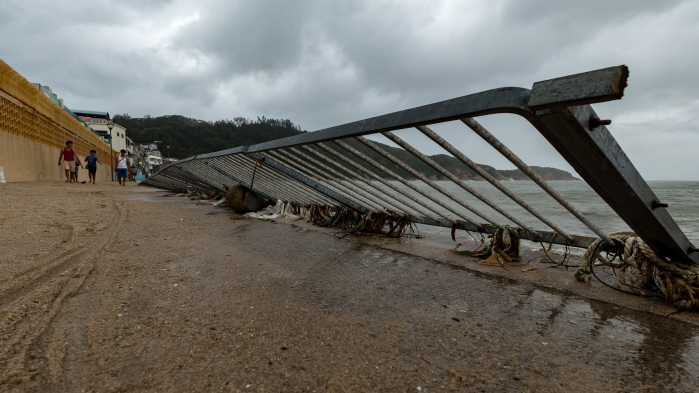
(324, 63)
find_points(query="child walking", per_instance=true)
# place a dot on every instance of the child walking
(68, 156)
(74, 175)
(91, 161)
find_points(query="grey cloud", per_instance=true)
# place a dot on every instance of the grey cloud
(327, 63)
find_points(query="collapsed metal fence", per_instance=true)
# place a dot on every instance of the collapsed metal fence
(323, 168)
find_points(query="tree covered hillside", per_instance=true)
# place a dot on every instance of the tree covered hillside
(188, 137)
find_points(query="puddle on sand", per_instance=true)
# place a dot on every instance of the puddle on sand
(644, 349)
(637, 349)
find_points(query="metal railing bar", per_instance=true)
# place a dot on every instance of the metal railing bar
(545, 236)
(168, 181)
(507, 153)
(235, 179)
(264, 181)
(402, 165)
(160, 182)
(427, 181)
(200, 167)
(372, 197)
(331, 194)
(379, 178)
(398, 202)
(304, 194)
(173, 173)
(356, 183)
(503, 100)
(400, 142)
(339, 188)
(164, 179)
(216, 186)
(192, 179)
(312, 195)
(490, 179)
(186, 183)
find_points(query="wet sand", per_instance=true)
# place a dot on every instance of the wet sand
(106, 288)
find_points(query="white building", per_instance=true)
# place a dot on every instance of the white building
(98, 121)
(153, 161)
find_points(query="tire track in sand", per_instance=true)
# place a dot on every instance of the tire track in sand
(36, 301)
(30, 278)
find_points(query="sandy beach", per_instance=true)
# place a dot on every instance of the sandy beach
(106, 289)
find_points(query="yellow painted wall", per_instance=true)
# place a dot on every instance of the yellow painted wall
(33, 129)
(25, 160)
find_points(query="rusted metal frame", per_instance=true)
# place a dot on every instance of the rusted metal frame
(237, 180)
(357, 184)
(318, 171)
(601, 162)
(337, 197)
(209, 182)
(507, 153)
(302, 195)
(337, 187)
(372, 175)
(455, 179)
(427, 181)
(263, 184)
(397, 202)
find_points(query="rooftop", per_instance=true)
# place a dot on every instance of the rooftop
(94, 114)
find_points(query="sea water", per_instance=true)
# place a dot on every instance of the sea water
(681, 196)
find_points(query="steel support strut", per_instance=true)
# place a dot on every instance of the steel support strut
(575, 131)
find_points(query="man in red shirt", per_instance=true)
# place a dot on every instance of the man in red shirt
(68, 156)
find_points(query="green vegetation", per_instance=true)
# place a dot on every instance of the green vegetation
(188, 137)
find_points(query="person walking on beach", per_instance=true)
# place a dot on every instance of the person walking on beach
(78, 165)
(68, 156)
(91, 161)
(122, 167)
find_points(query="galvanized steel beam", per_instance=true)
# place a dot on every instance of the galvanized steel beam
(597, 157)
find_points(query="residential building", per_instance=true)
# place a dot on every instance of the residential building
(98, 122)
(138, 157)
(154, 161)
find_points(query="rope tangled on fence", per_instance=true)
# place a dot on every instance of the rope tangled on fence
(642, 271)
(384, 223)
